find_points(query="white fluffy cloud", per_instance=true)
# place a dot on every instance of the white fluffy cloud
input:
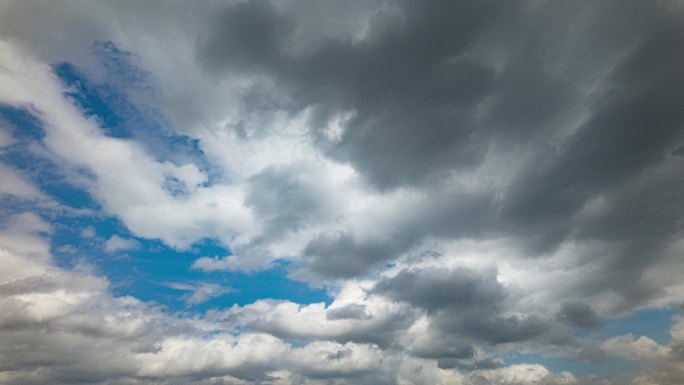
(659, 364)
(522, 374)
(137, 195)
(61, 325)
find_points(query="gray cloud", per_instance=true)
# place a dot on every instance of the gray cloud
(555, 127)
(429, 96)
(407, 64)
(499, 329)
(444, 214)
(341, 254)
(577, 314)
(467, 308)
(351, 311)
(288, 199)
(437, 288)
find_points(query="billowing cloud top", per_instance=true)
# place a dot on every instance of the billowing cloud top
(327, 192)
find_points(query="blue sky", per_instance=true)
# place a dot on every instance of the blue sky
(361, 193)
(149, 267)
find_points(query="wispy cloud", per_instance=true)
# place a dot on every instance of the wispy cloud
(200, 292)
(116, 243)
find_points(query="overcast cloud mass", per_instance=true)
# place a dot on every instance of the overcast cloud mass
(259, 192)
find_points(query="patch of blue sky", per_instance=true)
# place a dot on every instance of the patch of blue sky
(147, 270)
(653, 323)
(606, 368)
(82, 239)
(26, 127)
(119, 67)
(45, 174)
(98, 100)
(116, 102)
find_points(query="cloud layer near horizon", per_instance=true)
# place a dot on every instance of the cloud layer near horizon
(469, 180)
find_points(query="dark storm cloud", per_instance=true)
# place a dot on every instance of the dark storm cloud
(411, 90)
(590, 354)
(429, 97)
(446, 349)
(437, 288)
(247, 38)
(436, 86)
(384, 334)
(578, 314)
(341, 254)
(634, 124)
(499, 329)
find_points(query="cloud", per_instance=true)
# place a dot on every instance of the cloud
(436, 139)
(382, 322)
(88, 232)
(138, 197)
(465, 178)
(435, 289)
(340, 254)
(659, 364)
(12, 182)
(578, 314)
(522, 374)
(61, 326)
(6, 138)
(351, 311)
(24, 233)
(116, 243)
(202, 292)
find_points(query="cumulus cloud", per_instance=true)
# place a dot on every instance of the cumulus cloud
(63, 326)
(522, 374)
(660, 364)
(381, 323)
(462, 177)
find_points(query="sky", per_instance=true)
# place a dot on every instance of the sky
(321, 192)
